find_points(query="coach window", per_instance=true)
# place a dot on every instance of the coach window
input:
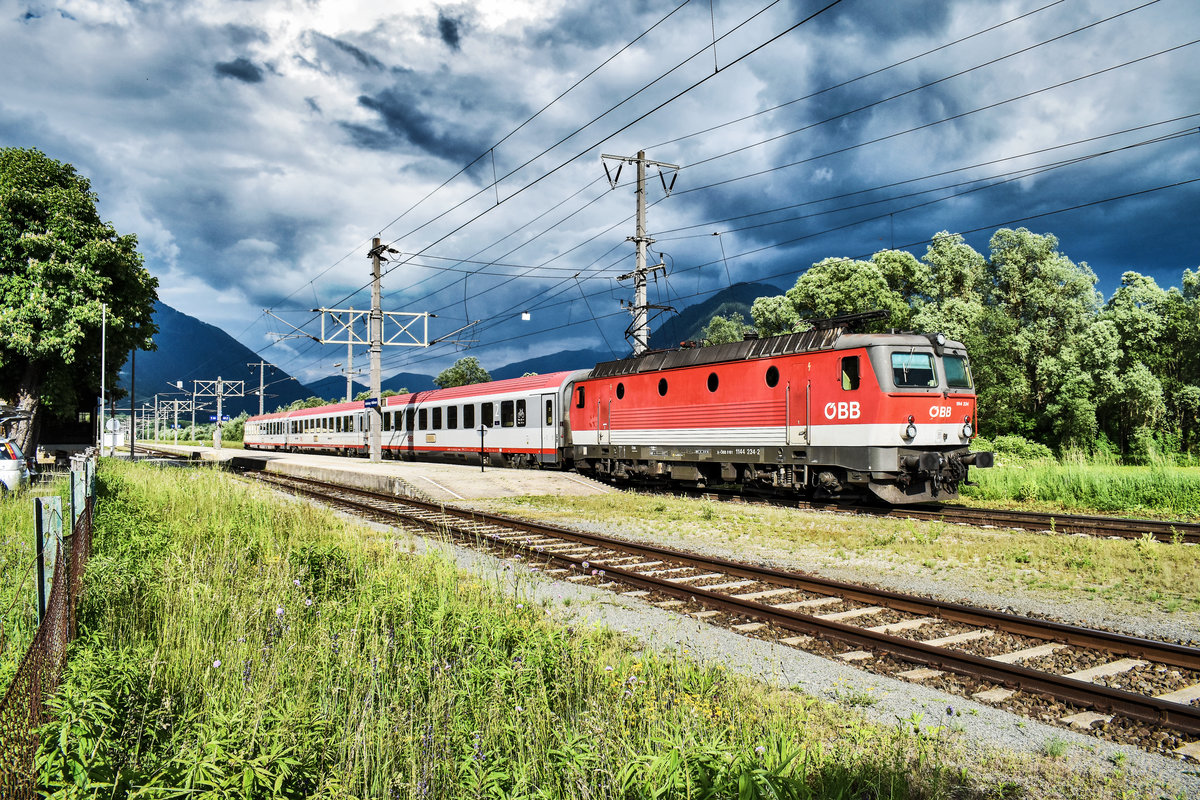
(520, 413)
(423, 419)
(452, 417)
(850, 373)
(620, 391)
(387, 421)
(487, 414)
(579, 403)
(437, 419)
(772, 376)
(713, 381)
(662, 387)
(506, 413)
(549, 413)
(469, 417)
(410, 416)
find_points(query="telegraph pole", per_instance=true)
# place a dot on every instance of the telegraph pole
(639, 329)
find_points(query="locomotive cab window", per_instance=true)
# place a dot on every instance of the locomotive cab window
(850, 373)
(913, 369)
(958, 375)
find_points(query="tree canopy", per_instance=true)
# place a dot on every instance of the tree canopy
(463, 372)
(60, 265)
(1052, 361)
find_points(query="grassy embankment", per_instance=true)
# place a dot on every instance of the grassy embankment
(1142, 573)
(237, 646)
(1080, 486)
(18, 574)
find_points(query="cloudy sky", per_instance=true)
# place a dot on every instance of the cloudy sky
(255, 147)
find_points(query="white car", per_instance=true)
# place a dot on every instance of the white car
(14, 471)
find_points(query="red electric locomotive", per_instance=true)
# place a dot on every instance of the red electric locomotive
(824, 411)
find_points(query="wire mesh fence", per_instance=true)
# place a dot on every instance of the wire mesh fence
(22, 709)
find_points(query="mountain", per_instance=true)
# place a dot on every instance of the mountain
(689, 324)
(191, 350)
(555, 362)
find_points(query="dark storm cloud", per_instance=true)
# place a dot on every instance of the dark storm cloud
(406, 122)
(241, 68)
(448, 29)
(361, 57)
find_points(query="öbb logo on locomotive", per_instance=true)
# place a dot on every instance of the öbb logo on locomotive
(768, 415)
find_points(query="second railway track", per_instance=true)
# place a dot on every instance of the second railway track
(1134, 689)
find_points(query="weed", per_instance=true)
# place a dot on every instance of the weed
(1055, 747)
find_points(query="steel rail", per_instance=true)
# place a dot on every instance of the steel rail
(1176, 716)
(1166, 531)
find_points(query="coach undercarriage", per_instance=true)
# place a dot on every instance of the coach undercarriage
(888, 474)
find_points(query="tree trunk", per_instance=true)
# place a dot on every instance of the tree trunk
(29, 403)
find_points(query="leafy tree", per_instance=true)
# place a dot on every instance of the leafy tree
(721, 330)
(775, 315)
(59, 264)
(385, 393)
(464, 371)
(846, 286)
(235, 429)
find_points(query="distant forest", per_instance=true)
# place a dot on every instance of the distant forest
(1053, 361)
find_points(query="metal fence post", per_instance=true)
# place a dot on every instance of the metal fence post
(49, 516)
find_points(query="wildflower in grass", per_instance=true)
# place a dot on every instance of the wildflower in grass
(520, 605)
(595, 571)
(279, 611)
(296, 582)
(601, 573)
(217, 663)
(760, 749)
(307, 601)
(585, 565)
(608, 669)
(519, 709)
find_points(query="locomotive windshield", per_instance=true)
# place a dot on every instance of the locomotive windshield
(913, 369)
(957, 374)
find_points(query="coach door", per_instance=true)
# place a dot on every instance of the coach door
(548, 429)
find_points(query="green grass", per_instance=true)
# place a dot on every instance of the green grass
(234, 645)
(1145, 574)
(18, 573)
(1080, 487)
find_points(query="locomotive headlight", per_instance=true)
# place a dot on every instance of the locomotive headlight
(967, 429)
(940, 339)
(911, 431)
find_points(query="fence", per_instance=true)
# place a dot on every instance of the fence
(23, 707)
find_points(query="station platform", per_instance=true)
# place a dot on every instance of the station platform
(426, 480)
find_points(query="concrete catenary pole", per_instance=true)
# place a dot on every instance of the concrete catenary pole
(376, 332)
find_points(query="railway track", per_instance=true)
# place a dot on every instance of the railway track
(1069, 524)
(1126, 688)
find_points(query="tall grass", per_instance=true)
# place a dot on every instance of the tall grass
(1082, 486)
(236, 646)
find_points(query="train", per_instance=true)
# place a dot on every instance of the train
(825, 413)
